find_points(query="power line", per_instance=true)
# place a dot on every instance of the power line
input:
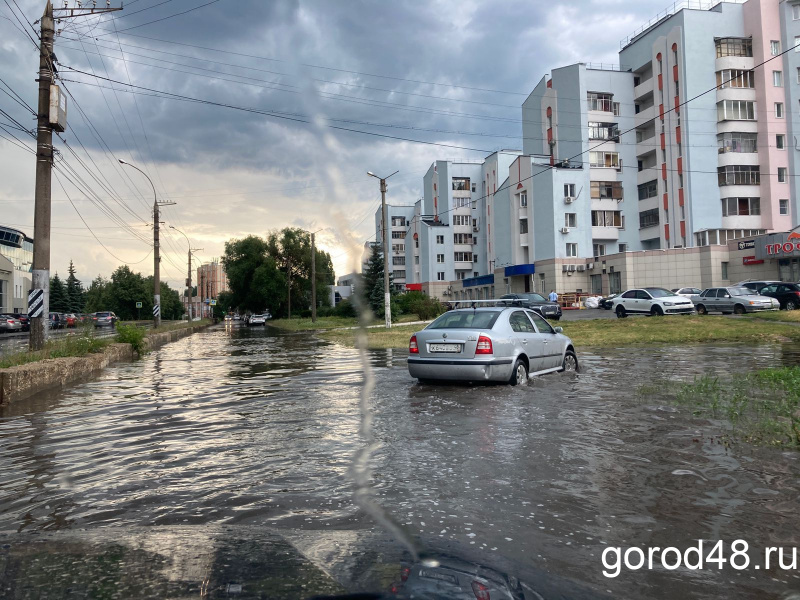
(163, 18)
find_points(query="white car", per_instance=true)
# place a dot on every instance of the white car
(651, 301)
(688, 292)
(257, 320)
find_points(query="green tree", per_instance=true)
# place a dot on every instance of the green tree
(224, 305)
(253, 277)
(58, 295)
(171, 305)
(372, 288)
(125, 290)
(96, 295)
(76, 297)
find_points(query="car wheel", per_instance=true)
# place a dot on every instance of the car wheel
(519, 375)
(621, 314)
(738, 309)
(701, 310)
(570, 363)
(657, 311)
(791, 305)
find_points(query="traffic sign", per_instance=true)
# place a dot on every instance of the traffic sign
(213, 303)
(156, 310)
(138, 305)
(35, 302)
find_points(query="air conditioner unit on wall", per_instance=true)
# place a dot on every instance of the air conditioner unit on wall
(565, 230)
(581, 268)
(569, 199)
(590, 266)
(572, 268)
(564, 268)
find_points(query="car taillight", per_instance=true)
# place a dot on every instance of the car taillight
(404, 573)
(484, 346)
(412, 345)
(481, 591)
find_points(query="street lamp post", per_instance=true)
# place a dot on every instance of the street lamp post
(156, 253)
(387, 301)
(189, 278)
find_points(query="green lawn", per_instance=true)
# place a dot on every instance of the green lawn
(633, 331)
(787, 316)
(296, 324)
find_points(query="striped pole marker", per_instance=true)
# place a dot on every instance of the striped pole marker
(35, 303)
(156, 310)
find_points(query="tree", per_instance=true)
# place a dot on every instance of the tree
(253, 277)
(58, 295)
(96, 295)
(372, 289)
(224, 305)
(125, 290)
(76, 297)
(171, 305)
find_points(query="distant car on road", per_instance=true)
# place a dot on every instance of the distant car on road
(104, 319)
(24, 320)
(688, 292)
(54, 321)
(257, 320)
(738, 300)
(71, 320)
(499, 344)
(788, 294)
(651, 301)
(537, 302)
(9, 323)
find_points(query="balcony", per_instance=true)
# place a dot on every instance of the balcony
(644, 88)
(462, 265)
(605, 233)
(644, 115)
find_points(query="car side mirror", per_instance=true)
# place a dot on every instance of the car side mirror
(558, 329)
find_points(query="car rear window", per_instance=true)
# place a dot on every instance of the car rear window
(103, 314)
(467, 319)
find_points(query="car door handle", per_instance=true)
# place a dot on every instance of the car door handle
(524, 341)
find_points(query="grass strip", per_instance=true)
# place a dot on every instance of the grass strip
(633, 331)
(324, 323)
(72, 345)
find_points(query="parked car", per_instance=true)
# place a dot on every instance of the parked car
(537, 302)
(71, 320)
(54, 321)
(734, 299)
(257, 320)
(688, 292)
(788, 294)
(651, 301)
(9, 323)
(755, 285)
(500, 344)
(104, 319)
(24, 320)
(606, 303)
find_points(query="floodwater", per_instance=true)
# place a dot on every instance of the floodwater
(217, 466)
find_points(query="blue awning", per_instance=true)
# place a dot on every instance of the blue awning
(528, 269)
(475, 281)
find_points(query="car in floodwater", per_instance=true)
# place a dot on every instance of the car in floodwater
(651, 301)
(738, 300)
(498, 344)
(257, 320)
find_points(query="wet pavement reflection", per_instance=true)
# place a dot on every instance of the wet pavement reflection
(244, 436)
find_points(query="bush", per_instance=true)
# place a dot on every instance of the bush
(133, 335)
(345, 308)
(426, 308)
(405, 301)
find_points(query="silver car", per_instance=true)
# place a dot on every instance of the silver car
(738, 300)
(10, 324)
(489, 344)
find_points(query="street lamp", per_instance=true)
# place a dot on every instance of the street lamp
(156, 255)
(189, 278)
(387, 303)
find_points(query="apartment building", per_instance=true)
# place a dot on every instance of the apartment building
(399, 219)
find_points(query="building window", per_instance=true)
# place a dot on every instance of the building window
(600, 102)
(615, 108)
(398, 235)
(780, 141)
(570, 220)
(461, 275)
(611, 190)
(572, 249)
(398, 221)
(416, 260)
(461, 220)
(523, 200)
(775, 47)
(606, 218)
(461, 184)
(440, 239)
(462, 257)
(648, 218)
(602, 131)
(734, 47)
(795, 12)
(399, 260)
(781, 174)
(398, 274)
(462, 238)
(732, 207)
(474, 187)
(777, 78)
(648, 190)
(737, 142)
(398, 248)
(440, 276)
(523, 225)
(739, 175)
(440, 258)
(797, 43)
(798, 74)
(779, 110)
(737, 110)
(569, 190)
(599, 249)
(604, 159)
(623, 247)
(735, 78)
(724, 269)
(784, 207)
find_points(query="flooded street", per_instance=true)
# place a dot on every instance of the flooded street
(229, 441)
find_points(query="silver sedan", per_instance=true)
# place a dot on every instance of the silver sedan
(737, 300)
(489, 344)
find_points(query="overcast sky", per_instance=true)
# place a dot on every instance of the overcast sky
(450, 72)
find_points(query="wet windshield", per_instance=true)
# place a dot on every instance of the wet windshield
(659, 292)
(468, 319)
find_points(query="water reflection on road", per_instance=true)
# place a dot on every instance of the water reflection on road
(252, 430)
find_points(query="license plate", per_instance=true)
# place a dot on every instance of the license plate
(444, 347)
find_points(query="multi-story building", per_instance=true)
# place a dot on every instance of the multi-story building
(15, 275)
(211, 281)
(399, 220)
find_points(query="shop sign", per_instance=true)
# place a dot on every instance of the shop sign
(751, 260)
(778, 245)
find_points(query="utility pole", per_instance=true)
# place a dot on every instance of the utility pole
(313, 281)
(387, 297)
(46, 121)
(189, 278)
(289, 288)
(156, 249)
